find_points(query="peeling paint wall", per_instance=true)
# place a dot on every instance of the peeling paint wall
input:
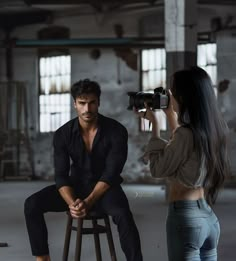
(226, 58)
(114, 99)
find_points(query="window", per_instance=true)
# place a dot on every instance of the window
(153, 68)
(54, 94)
(206, 59)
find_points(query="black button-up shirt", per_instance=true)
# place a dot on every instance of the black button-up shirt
(76, 167)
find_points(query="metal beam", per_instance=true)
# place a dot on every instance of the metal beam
(10, 21)
(139, 42)
(90, 2)
(90, 42)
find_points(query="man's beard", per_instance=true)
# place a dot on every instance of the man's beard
(92, 116)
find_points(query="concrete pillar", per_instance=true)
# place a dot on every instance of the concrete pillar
(180, 35)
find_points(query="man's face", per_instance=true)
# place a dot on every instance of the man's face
(87, 107)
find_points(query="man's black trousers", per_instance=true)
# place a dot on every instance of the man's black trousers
(114, 203)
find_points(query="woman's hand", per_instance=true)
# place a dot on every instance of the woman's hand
(147, 115)
(170, 109)
(170, 112)
(150, 115)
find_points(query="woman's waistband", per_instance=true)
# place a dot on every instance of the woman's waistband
(200, 203)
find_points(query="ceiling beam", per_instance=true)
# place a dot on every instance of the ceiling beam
(217, 2)
(90, 2)
(10, 21)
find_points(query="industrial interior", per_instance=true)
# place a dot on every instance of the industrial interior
(126, 46)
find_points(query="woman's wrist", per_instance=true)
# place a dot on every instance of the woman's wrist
(171, 114)
(155, 129)
(172, 119)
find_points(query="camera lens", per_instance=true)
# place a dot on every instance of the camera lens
(157, 100)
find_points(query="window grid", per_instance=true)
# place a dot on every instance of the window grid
(54, 96)
(153, 75)
(207, 60)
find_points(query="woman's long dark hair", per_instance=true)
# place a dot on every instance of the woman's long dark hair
(192, 88)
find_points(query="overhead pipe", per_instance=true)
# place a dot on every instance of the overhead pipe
(138, 42)
(90, 42)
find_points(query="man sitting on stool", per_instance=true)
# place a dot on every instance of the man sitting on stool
(96, 147)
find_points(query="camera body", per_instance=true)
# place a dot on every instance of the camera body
(157, 100)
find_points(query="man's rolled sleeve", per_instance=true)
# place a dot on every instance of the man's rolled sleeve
(61, 161)
(116, 158)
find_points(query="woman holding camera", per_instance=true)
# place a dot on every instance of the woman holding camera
(194, 162)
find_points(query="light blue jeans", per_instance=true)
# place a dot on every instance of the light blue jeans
(193, 231)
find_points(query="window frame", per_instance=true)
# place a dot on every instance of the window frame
(141, 89)
(49, 54)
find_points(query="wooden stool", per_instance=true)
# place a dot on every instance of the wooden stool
(96, 229)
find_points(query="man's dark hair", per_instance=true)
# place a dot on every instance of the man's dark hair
(84, 87)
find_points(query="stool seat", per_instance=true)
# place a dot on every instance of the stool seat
(94, 214)
(95, 230)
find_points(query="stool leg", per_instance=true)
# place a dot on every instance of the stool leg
(67, 238)
(97, 241)
(110, 239)
(78, 239)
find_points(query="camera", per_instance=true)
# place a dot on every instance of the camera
(157, 100)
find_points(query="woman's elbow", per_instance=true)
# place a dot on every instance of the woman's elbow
(155, 171)
(158, 168)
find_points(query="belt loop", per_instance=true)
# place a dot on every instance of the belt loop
(198, 203)
(173, 205)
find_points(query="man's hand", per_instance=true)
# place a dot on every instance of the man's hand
(78, 209)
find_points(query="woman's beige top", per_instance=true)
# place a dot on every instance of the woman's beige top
(176, 159)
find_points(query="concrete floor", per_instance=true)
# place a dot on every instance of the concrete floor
(147, 203)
